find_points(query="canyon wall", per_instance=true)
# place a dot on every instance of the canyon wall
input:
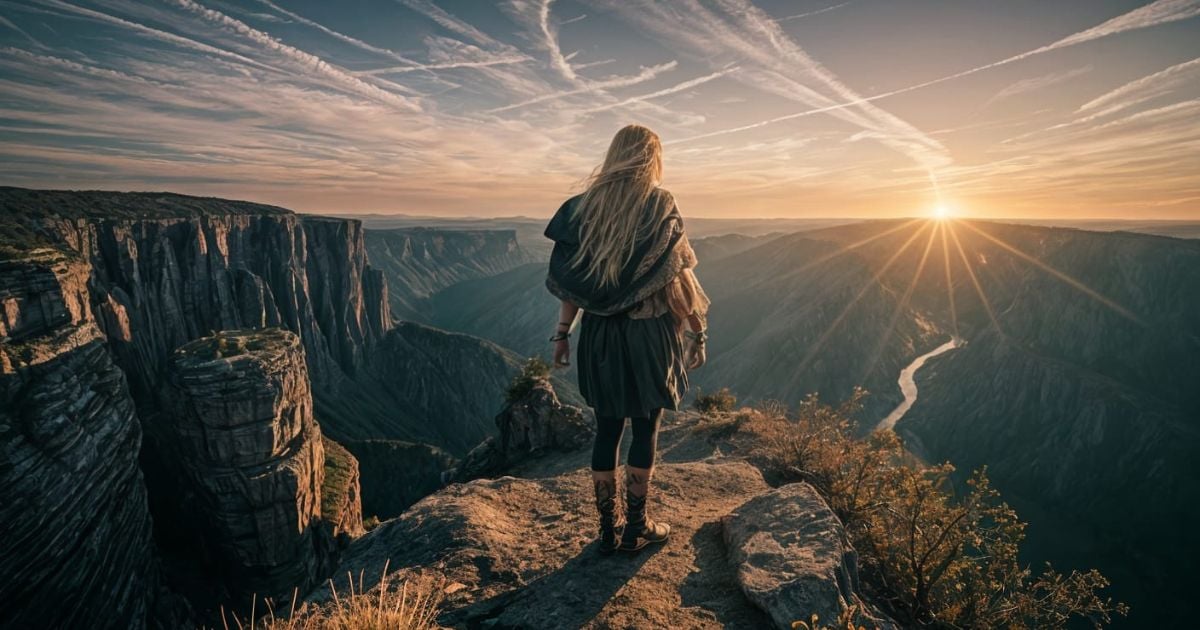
(77, 542)
(167, 269)
(419, 262)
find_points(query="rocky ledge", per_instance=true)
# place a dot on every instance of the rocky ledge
(519, 551)
(249, 454)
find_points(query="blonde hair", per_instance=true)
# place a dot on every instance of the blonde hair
(612, 207)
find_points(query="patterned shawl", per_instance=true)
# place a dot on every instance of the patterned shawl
(657, 260)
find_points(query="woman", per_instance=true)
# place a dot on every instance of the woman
(620, 255)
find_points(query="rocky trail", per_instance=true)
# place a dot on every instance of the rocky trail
(518, 551)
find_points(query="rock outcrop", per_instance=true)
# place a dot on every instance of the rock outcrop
(793, 560)
(341, 493)
(240, 429)
(76, 543)
(519, 553)
(530, 425)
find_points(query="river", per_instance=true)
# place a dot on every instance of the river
(908, 383)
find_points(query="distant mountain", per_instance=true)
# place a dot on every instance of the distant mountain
(418, 262)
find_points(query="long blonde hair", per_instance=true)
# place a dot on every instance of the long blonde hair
(612, 206)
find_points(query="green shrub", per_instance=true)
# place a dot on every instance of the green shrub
(932, 557)
(535, 369)
(720, 400)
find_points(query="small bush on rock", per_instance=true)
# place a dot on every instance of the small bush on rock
(720, 400)
(933, 556)
(535, 369)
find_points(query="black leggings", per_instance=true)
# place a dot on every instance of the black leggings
(606, 448)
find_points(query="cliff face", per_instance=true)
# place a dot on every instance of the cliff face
(167, 269)
(240, 432)
(418, 262)
(77, 542)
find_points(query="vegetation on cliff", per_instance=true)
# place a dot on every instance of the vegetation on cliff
(933, 555)
(409, 605)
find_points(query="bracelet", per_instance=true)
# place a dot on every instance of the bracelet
(698, 337)
(561, 336)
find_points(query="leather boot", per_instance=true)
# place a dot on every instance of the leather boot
(606, 505)
(640, 529)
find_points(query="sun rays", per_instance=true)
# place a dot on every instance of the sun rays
(972, 252)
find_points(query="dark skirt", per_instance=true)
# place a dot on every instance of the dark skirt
(629, 367)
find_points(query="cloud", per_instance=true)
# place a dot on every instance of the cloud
(646, 74)
(308, 61)
(772, 62)
(686, 85)
(1144, 89)
(1153, 14)
(1037, 83)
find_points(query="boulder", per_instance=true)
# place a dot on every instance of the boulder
(793, 560)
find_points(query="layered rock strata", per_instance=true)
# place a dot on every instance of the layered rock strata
(240, 430)
(76, 543)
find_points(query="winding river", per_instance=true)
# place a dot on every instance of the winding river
(908, 383)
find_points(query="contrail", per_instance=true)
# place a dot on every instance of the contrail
(1153, 14)
(594, 86)
(811, 13)
(663, 92)
(503, 61)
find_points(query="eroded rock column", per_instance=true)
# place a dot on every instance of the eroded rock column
(241, 430)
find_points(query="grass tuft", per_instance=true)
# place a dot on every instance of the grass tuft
(411, 604)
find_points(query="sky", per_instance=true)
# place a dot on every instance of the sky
(821, 108)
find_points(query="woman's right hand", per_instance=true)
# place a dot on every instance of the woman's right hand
(562, 353)
(696, 356)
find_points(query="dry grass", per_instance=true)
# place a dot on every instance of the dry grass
(410, 605)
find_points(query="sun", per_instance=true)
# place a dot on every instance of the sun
(941, 212)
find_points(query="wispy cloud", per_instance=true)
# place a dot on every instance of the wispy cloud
(424, 106)
(1153, 14)
(1144, 89)
(1025, 86)
(674, 89)
(646, 74)
(800, 16)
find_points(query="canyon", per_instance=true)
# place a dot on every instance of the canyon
(202, 399)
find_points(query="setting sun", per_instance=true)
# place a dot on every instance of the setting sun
(941, 211)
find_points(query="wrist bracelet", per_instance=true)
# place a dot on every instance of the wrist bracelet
(562, 336)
